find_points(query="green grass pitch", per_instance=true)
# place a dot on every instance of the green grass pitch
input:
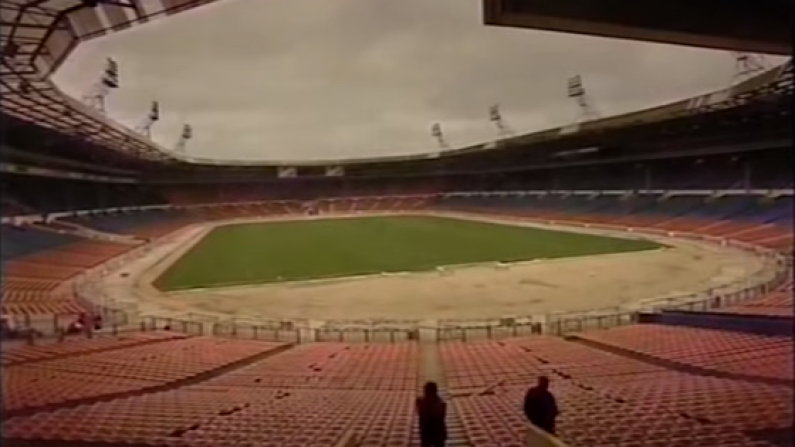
(311, 249)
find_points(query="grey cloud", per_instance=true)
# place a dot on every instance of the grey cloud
(320, 79)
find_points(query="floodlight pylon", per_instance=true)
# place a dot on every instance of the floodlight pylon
(503, 129)
(145, 127)
(587, 110)
(438, 135)
(97, 95)
(747, 65)
(185, 136)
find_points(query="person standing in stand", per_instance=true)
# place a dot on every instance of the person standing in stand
(540, 406)
(432, 411)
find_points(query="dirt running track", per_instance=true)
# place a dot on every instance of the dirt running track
(480, 292)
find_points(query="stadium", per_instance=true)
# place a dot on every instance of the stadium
(641, 261)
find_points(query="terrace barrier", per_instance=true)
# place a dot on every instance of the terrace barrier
(150, 323)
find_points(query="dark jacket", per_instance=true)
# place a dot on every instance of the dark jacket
(432, 414)
(540, 408)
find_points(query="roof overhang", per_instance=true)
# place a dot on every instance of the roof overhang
(37, 35)
(733, 25)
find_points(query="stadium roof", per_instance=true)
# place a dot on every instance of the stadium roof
(37, 35)
(764, 26)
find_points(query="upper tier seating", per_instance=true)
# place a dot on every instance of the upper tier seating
(129, 223)
(155, 223)
(756, 220)
(301, 189)
(50, 195)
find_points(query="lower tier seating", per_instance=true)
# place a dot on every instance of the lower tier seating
(777, 303)
(61, 379)
(606, 399)
(724, 351)
(78, 346)
(313, 394)
(30, 281)
(335, 366)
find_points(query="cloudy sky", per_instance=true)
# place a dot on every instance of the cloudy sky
(326, 79)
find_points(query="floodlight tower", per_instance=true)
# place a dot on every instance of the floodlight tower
(438, 135)
(109, 80)
(184, 137)
(495, 116)
(145, 128)
(586, 106)
(747, 65)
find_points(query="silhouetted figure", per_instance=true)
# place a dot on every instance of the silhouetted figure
(432, 412)
(540, 406)
(9, 327)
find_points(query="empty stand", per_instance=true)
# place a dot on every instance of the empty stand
(20, 241)
(776, 303)
(601, 396)
(72, 347)
(725, 351)
(365, 389)
(89, 373)
(312, 395)
(335, 366)
(38, 261)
